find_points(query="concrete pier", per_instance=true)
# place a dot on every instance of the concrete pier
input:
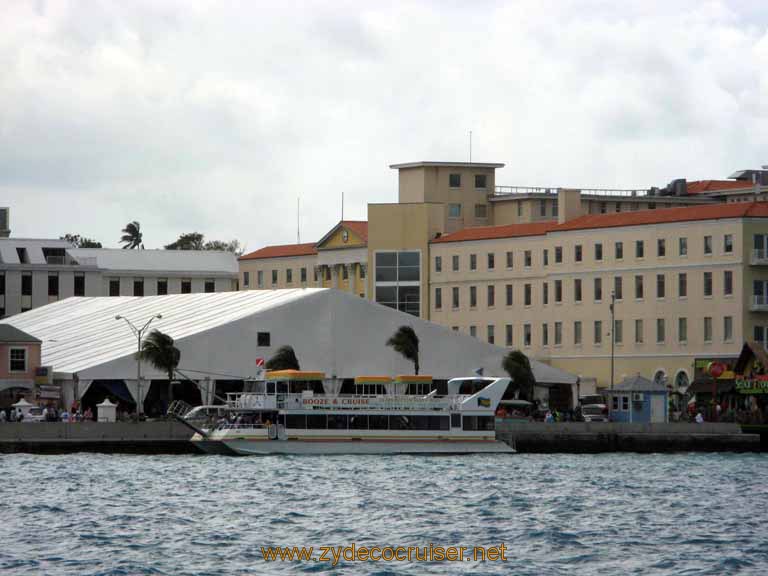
(596, 437)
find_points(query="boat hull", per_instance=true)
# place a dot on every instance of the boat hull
(246, 447)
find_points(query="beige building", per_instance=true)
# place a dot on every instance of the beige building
(536, 268)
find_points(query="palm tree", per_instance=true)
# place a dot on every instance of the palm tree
(405, 341)
(158, 349)
(283, 359)
(517, 365)
(132, 235)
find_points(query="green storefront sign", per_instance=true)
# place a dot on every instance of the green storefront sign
(752, 386)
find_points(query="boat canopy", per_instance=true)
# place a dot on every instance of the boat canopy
(413, 379)
(296, 375)
(373, 380)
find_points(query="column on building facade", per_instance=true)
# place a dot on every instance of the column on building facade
(364, 276)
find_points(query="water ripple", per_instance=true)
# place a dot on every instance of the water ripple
(89, 514)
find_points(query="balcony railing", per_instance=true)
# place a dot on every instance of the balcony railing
(625, 193)
(759, 256)
(759, 303)
(69, 261)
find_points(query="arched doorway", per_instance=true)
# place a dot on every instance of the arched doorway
(660, 377)
(681, 381)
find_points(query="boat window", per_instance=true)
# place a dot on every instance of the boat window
(485, 422)
(270, 387)
(420, 422)
(455, 420)
(296, 421)
(282, 387)
(358, 422)
(470, 423)
(337, 422)
(439, 423)
(316, 421)
(378, 422)
(400, 423)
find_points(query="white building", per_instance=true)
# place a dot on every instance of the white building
(221, 336)
(35, 272)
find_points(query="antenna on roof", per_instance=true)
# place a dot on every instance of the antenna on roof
(470, 146)
(342, 206)
(298, 234)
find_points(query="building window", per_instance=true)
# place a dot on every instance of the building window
(682, 246)
(707, 329)
(682, 285)
(186, 286)
(542, 207)
(398, 280)
(480, 181)
(274, 277)
(473, 261)
(639, 249)
(26, 284)
(707, 244)
(545, 334)
(660, 330)
(727, 328)
(210, 285)
(546, 257)
(327, 274)
(438, 298)
(527, 295)
(17, 359)
(246, 280)
(454, 180)
(707, 283)
(508, 330)
(260, 278)
(455, 297)
(558, 254)
(491, 261)
(526, 335)
(598, 251)
(618, 288)
(53, 284)
(79, 289)
(618, 331)
(509, 260)
(138, 286)
(527, 259)
(661, 247)
(577, 332)
(558, 290)
(491, 296)
(558, 333)
(660, 285)
(759, 334)
(315, 273)
(263, 339)
(598, 332)
(577, 253)
(638, 331)
(544, 293)
(438, 263)
(303, 275)
(619, 249)
(473, 331)
(481, 211)
(455, 263)
(473, 296)
(491, 336)
(728, 243)
(682, 330)
(114, 287)
(509, 294)
(555, 208)
(728, 282)
(639, 287)
(454, 210)
(598, 289)
(162, 286)
(577, 290)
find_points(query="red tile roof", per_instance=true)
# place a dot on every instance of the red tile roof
(492, 232)
(704, 186)
(359, 227)
(284, 251)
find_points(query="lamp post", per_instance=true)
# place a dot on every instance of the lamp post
(139, 333)
(613, 330)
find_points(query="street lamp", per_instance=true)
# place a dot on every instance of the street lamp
(613, 330)
(139, 333)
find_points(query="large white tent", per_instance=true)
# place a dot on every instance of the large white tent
(218, 336)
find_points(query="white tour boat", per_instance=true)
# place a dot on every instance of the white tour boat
(294, 412)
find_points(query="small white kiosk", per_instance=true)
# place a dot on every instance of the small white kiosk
(106, 411)
(22, 407)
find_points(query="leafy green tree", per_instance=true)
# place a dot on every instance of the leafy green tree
(196, 241)
(517, 365)
(159, 350)
(132, 236)
(80, 241)
(284, 358)
(405, 342)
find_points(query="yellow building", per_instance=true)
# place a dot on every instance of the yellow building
(536, 268)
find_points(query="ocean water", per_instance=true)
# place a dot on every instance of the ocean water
(556, 514)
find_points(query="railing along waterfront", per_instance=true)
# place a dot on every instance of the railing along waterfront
(622, 192)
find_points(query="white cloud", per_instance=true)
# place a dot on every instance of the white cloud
(214, 117)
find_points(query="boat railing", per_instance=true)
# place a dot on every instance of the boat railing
(240, 426)
(407, 402)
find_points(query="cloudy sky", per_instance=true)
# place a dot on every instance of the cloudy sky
(215, 116)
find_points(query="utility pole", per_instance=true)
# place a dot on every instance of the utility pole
(613, 331)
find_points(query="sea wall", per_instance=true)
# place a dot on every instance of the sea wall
(596, 437)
